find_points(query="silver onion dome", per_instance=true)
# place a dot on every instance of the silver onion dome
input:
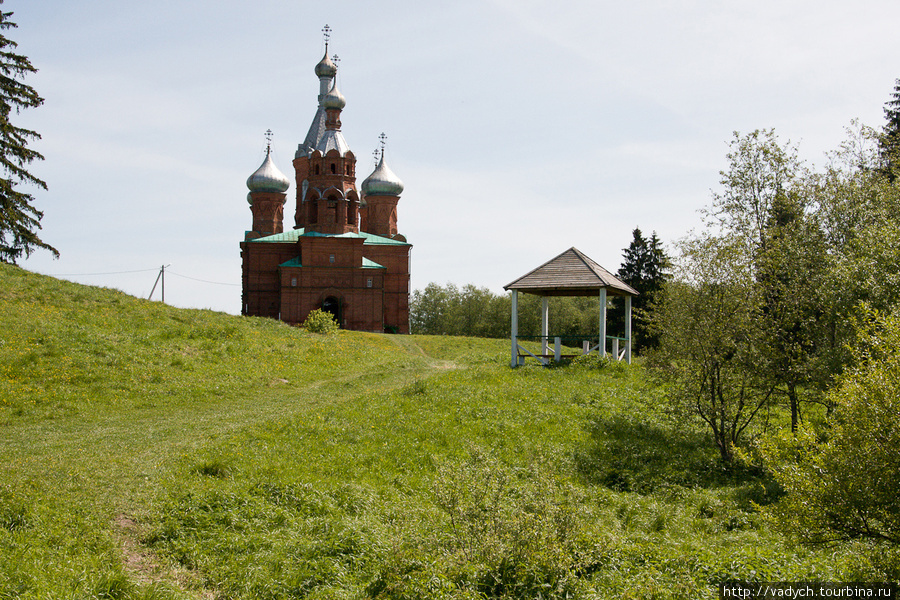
(326, 68)
(334, 98)
(267, 178)
(382, 181)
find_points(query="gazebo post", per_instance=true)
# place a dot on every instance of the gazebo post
(514, 329)
(602, 322)
(545, 323)
(628, 329)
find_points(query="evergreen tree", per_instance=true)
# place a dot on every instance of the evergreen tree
(644, 268)
(890, 139)
(19, 220)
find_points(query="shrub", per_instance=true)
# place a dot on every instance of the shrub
(845, 487)
(319, 321)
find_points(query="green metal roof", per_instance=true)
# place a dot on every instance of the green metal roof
(371, 264)
(366, 264)
(293, 235)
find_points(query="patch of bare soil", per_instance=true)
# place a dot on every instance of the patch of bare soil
(145, 568)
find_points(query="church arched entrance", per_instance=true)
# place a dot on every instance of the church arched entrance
(332, 305)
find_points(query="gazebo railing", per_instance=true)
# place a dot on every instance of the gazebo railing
(588, 343)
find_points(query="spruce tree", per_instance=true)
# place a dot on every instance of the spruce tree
(19, 219)
(644, 268)
(890, 138)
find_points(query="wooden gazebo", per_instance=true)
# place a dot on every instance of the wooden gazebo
(569, 274)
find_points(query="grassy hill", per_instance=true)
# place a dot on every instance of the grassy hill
(153, 452)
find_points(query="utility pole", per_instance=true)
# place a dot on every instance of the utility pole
(160, 278)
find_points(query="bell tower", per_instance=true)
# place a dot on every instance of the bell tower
(324, 166)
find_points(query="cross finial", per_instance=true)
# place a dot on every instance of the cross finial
(336, 60)
(376, 154)
(382, 138)
(326, 33)
(269, 135)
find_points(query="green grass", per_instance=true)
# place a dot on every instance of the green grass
(152, 452)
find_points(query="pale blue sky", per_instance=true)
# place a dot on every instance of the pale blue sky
(519, 127)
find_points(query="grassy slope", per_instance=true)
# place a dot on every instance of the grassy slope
(164, 453)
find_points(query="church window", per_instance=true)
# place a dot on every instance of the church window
(369, 282)
(333, 168)
(331, 258)
(293, 282)
(317, 169)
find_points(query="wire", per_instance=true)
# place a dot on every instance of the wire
(87, 274)
(140, 271)
(202, 280)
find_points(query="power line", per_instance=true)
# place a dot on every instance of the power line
(202, 280)
(141, 271)
(89, 274)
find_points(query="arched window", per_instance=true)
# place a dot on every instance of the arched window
(333, 168)
(317, 169)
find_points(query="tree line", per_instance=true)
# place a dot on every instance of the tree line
(478, 312)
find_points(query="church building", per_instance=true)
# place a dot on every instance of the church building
(344, 254)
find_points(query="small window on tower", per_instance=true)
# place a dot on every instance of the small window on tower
(369, 282)
(317, 169)
(293, 282)
(333, 168)
(331, 258)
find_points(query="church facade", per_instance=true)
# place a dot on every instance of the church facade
(343, 254)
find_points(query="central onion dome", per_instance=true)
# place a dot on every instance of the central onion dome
(382, 181)
(267, 178)
(326, 68)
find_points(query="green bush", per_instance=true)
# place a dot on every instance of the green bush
(320, 321)
(845, 487)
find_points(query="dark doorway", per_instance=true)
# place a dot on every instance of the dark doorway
(333, 305)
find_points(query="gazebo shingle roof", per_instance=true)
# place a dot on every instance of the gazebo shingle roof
(570, 274)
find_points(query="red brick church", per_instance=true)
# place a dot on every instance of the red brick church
(344, 254)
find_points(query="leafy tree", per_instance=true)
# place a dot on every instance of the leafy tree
(760, 169)
(644, 268)
(428, 310)
(19, 220)
(789, 280)
(846, 487)
(707, 354)
(768, 204)
(857, 209)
